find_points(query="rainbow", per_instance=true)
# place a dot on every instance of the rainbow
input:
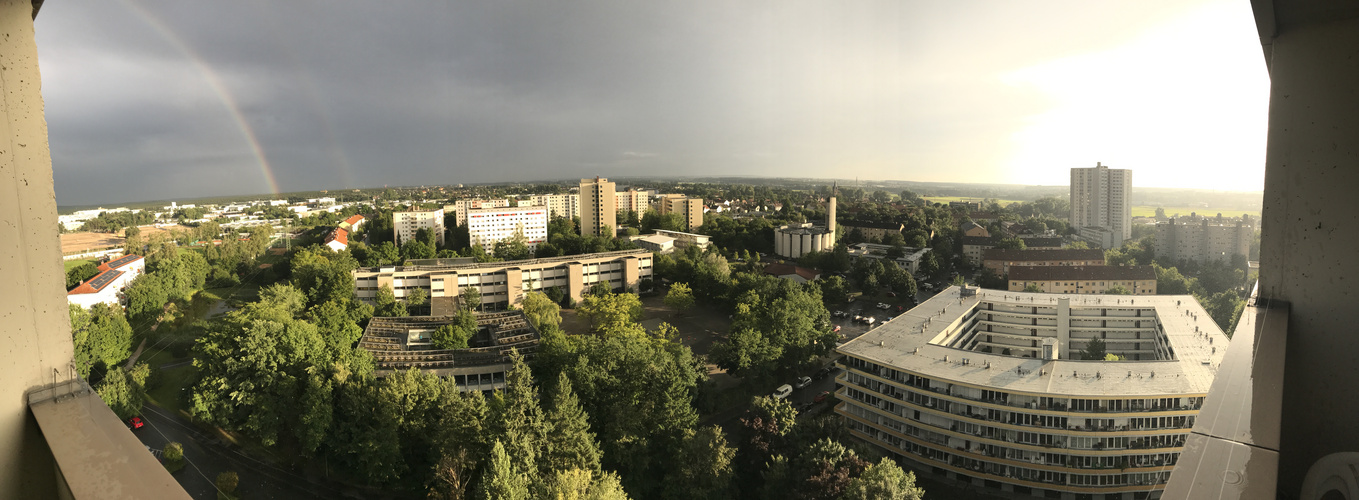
(215, 82)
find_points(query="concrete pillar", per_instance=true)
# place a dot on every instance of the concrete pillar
(514, 286)
(575, 280)
(632, 273)
(1064, 327)
(1310, 231)
(36, 336)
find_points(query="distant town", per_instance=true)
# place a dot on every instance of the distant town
(670, 339)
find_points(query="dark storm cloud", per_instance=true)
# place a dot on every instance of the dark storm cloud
(349, 94)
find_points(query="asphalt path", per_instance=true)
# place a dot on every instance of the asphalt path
(208, 456)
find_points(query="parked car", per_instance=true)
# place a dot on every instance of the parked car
(839, 314)
(783, 391)
(891, 294)
(825, 371)
(870, 320)
(858, 318)
(803, 382)
(884, 306)
(821, 397)
(836, 329)
(135, 423)
(803, 407)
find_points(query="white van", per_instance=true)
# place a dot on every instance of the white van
(783, 391)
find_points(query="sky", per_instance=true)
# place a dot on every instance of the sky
(151, 100)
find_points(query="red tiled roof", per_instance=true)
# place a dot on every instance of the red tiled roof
(120, 262)
(353, 220)
(787, 269)
(339, 235)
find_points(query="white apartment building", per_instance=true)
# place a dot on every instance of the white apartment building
(987, 387)
(461, 207)
(486, 226)
(107, 286)
(503, 284)
(1101, 197)
(598, 208)
(408, 223)
(566, 206)
(1204, 239)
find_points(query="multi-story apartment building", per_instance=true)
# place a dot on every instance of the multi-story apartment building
(598, 212)
(631, 200)
(407, 223)
(1001, 259)
(1204, 239)
(690, 209)
(1100, 197)
(975, 247)
(983, 386)
(873, 230)
(407, 342)
(486, 226)
(1140, 280)
(503, 284)
(461, 207)
(565, 206)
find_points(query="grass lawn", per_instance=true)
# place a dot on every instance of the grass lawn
(946, 199)
(1150, 211)
(170, 393)
(71, 264)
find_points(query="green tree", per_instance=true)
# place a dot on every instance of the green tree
(680, 297)
(173, 452)
(1118, 290)
(416, 249)
(514, 247)
(1094, 349)
(470, 299)
(1225, 309)
(226, 485)
(146, 298)
(386, 305)
(518, 419)
(101, 335)
(569, 444)
(835, 291)
(613, 313)
(455, 335)
(542, 311)
(1033, 288)
(123, 390)
(1011, 244)
(77, 275)
(703, 467)
(884, 481)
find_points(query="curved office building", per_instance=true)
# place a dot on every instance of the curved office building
(988, 387)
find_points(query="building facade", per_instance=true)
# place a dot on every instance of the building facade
(909, 260)
(461, 207)
(872, 230)
(406, 224)
(487, 226)
(689, 209)
(503, 284)
(406, 342)
(1140, 280)
(1204, 239)
(1101, 197)
(598, 212)
(1000, 260)
(631, 200)
(686, 240)
(975, 247)
(980, 386)
(565, 206)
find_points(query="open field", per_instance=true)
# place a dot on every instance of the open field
(946, 199)
(147, 231)
(1150, 211)
(75, 242)
(71, 264)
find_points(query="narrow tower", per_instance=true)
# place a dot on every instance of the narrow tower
(830, 210)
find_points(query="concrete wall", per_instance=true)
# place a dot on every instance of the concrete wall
(36, 333)
(1310, 231)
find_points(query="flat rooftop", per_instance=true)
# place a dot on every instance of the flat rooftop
(909, 342)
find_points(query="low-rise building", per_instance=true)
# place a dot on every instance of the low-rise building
(872, 230)
(337, 239)
(107, 286)
(792, 272)
(487, 226)
(987, 387)
(974, 247)
(1099, 237)
(686, 240)
(795, 240)
(353, 223)
(503, 284)
(407, 342)
(656, 243)
(406, 224)
(1000, 260)
(909, 260)
(974, 229)
(1140, 280)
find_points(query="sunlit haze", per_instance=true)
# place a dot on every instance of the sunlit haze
(156, 100)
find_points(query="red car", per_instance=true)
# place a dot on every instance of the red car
(135, 423)
(821, 397)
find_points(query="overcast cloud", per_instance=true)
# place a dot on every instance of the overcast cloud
(143, 96)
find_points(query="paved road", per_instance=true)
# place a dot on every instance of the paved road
(207, 457)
